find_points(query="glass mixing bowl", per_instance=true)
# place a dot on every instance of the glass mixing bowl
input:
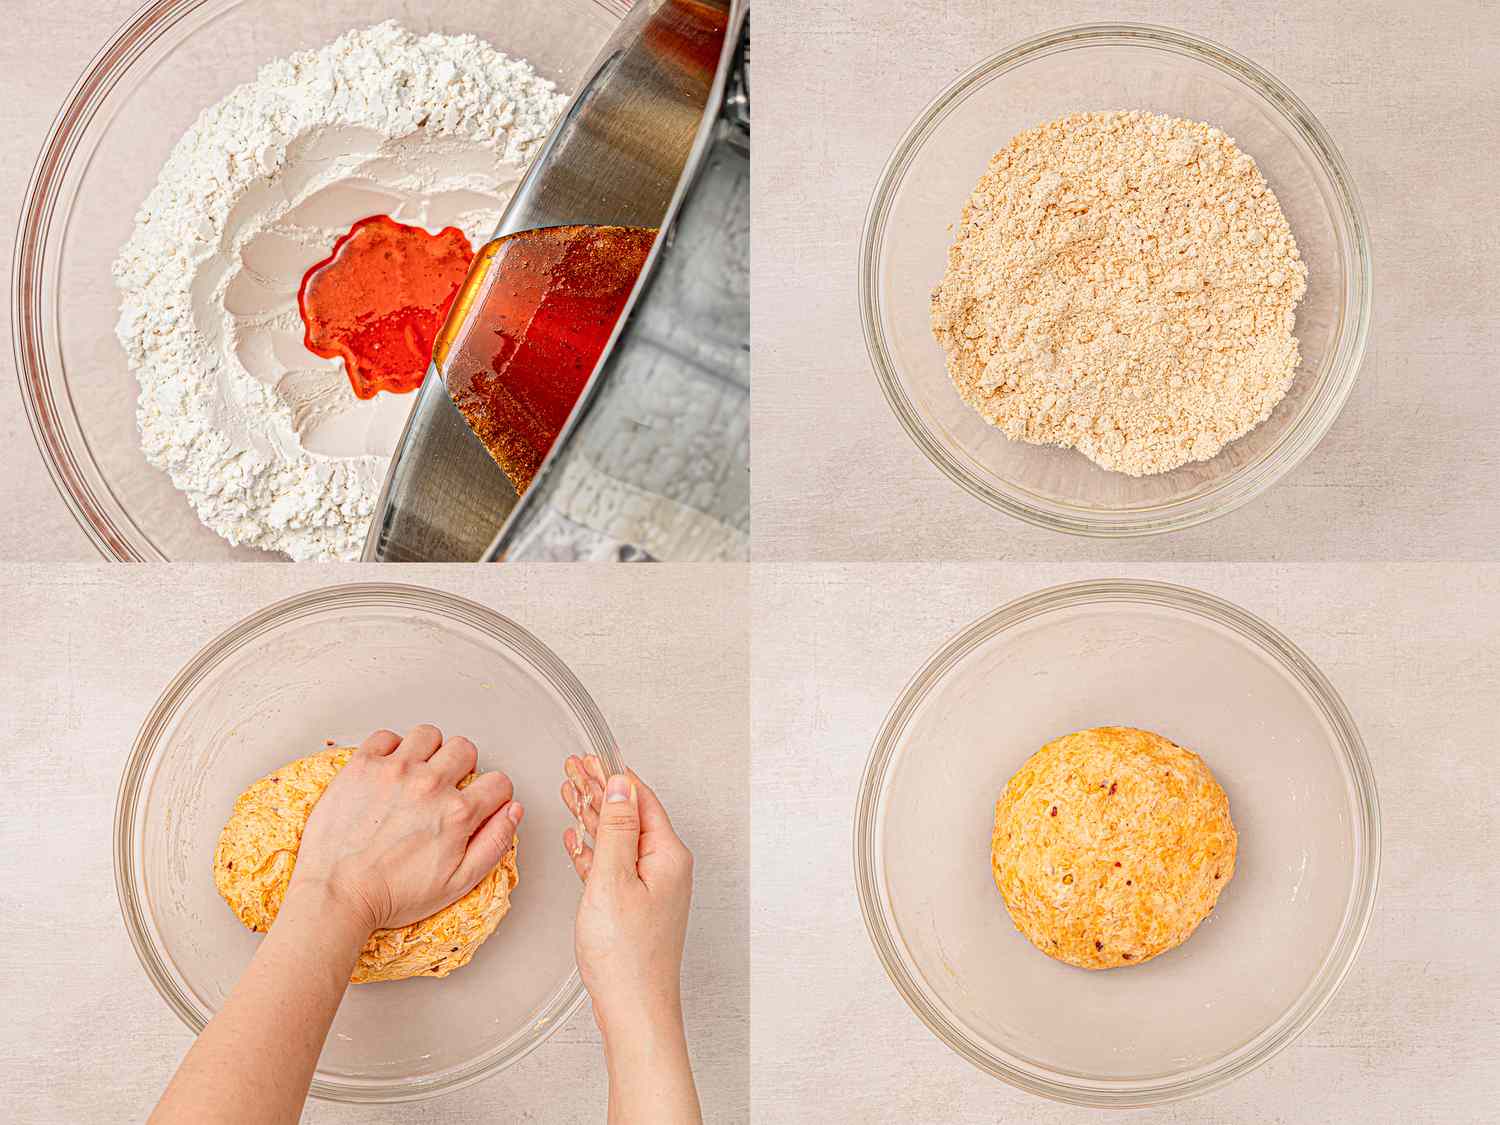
(336, 664)
(935, 167)
(1206, 675)
(137, 97)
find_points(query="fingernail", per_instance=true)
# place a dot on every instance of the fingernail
(515, 811)
(618, 789)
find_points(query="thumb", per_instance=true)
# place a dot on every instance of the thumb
(617, 844)
(488, 845)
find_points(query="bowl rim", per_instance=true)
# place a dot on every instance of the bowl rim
(140, 767)
(1031, 1077)
(1243, 484)
(35, 281)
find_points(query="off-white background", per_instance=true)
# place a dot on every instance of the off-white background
(46, 48)
(1414, 1033)
(1409, 92)
(85, 1038)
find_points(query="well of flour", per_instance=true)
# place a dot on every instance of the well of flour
(268, 441)
(1124, 284)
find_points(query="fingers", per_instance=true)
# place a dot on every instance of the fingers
(580, 853)
(619, 827)
(488, 845)
(379, 744)
(420, 743)
(576, 769)
(588, 778)
(485, 795)
(582, 795)
(455, 760)
(617, 840)
(584, 806)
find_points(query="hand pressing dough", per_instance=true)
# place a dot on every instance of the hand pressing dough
(1110, 846)
(258, 849)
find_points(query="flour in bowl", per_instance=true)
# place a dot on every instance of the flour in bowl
(1125, 284)
(267, 440)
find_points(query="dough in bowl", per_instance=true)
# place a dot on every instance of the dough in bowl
(258, 849)
(1110, 846)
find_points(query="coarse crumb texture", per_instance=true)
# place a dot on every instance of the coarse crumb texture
(1110, 846)
(1122, 283)
(258, 849)
(268, 443)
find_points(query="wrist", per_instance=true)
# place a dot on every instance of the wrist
(656, 1017)
(343, 922)
(650, 1073)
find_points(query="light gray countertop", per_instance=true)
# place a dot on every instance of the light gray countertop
(87, 1039)
(44, 57)
(1408, 92)
(1411, 1036)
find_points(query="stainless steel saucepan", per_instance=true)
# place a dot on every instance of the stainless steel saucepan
(654, 461)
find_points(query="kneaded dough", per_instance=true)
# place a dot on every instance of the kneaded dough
(258, 849)
(1110, 846)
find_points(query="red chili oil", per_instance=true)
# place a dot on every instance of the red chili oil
(378, 300)
(529, 328)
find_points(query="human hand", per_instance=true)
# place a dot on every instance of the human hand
(394, 839)
(638, 887)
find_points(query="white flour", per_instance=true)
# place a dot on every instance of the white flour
(267, 440)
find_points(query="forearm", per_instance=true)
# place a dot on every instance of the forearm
(255, 1059)
(650, 1076)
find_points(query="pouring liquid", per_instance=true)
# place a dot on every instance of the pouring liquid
(528, 327)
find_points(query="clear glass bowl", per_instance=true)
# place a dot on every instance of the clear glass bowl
(335, 664)
(1206, 675)
(921, 195)
(137, 97)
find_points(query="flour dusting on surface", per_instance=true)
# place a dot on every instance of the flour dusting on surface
(267, 440)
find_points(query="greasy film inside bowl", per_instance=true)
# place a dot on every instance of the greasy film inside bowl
(121, 155)
(1199, 685)
(927, 204)
(339, 676)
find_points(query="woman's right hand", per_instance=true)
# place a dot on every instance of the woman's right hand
(394, 839)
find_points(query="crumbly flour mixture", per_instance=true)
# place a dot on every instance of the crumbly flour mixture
(267, 440)
(1123, 283)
